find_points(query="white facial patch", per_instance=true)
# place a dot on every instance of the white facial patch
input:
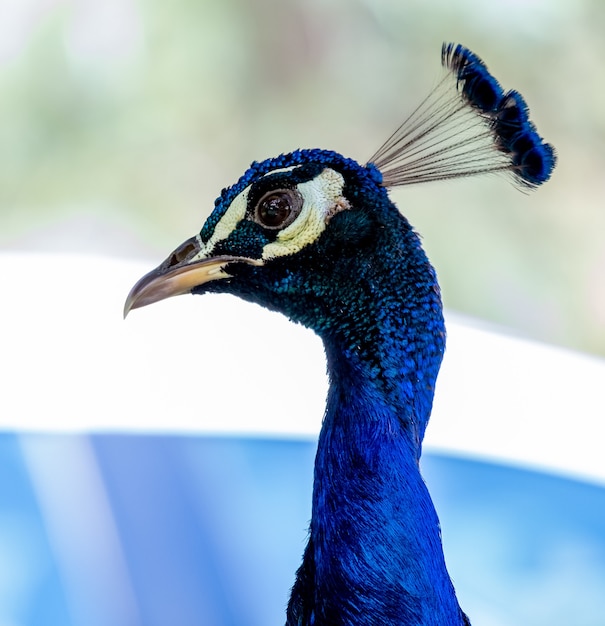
(225, 226)
(322, 198)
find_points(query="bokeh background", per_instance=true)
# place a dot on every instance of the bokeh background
(121, 120)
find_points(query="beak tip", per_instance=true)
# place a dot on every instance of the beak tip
(130, 303)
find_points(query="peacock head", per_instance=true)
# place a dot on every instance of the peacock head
(290, 234)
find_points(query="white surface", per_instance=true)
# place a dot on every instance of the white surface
(215, 364)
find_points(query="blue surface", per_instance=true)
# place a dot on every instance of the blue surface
(30, 586)
(210, 531)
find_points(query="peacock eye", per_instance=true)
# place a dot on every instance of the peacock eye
(278, 208)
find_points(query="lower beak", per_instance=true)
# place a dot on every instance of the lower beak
(179, 274)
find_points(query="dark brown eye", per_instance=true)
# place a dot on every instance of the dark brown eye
(278, 208)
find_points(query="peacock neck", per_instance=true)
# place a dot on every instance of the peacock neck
(375, 532)
(374, 554)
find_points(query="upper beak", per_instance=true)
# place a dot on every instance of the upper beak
(179, 274)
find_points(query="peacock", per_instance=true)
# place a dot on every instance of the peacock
(315, 236)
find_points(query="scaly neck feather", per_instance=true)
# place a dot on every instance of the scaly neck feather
(374, 554)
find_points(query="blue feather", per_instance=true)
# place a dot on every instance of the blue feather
(473, 79)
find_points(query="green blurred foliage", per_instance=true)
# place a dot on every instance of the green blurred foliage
(120, 121)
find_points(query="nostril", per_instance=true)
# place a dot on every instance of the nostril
(181, 254)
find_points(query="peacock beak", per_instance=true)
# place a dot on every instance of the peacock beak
(178, 274)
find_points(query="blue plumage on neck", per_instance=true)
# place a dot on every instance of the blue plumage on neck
(375, 542)
(374, 554)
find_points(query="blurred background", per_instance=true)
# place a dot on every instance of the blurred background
(120, 122)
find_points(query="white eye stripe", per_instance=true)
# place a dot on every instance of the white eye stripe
(280, 170)
(225, 226)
